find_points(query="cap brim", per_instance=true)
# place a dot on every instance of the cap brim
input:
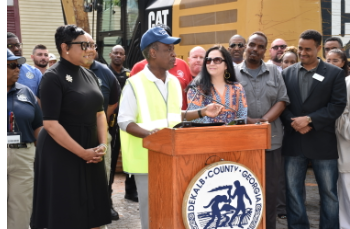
(170, 40)
(20, 59)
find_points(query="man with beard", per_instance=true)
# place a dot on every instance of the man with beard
(40, 57)
(236, 49)
(28, 75)
(267, 98)
(277, 48)
(117, 56)
(195, 60)
(111, 90)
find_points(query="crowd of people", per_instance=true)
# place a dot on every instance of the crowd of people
(69, 118)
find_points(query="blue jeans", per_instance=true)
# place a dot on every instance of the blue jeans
(326, 174)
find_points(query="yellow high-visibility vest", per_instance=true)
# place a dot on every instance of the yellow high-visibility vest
(154, 112)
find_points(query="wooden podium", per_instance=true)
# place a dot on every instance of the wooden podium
(175, 156)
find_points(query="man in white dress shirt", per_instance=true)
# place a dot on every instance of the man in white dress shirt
(151, 100)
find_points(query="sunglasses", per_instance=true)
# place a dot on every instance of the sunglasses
(85, 45)
(240, 45)
(17, 45)
(217, 60)
(279, 46)
(13, 65)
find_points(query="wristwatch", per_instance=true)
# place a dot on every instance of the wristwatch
(309, 119)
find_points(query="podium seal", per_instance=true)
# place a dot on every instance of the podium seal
(223, 195)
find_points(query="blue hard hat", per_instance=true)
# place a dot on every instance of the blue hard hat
(11, 56)
(157, 34)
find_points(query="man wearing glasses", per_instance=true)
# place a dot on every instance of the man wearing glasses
(28, 75)
(266, 98)
(236, 49)
(277, 48)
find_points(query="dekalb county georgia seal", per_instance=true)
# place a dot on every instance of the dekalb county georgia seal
(223, 195)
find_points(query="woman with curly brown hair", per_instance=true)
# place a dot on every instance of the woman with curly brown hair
(289, 57)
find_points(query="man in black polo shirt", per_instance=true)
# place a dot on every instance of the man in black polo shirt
(117, 56)
(111, 90)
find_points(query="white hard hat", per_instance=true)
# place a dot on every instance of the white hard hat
(52, 56)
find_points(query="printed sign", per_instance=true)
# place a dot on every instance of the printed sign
(223, 195)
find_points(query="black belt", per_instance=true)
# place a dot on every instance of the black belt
(17, 146)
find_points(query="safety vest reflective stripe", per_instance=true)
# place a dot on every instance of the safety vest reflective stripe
(153, 112)
(141, 100)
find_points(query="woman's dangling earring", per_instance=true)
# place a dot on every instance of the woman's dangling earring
(67, 53)
(227, 75)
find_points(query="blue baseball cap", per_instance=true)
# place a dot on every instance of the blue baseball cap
(11, 56)
(157, 34)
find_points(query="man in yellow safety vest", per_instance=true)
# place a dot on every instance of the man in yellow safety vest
(151, 100)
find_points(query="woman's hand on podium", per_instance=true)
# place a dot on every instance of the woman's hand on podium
(212, 110)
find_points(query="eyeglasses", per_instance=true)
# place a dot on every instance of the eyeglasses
(17, 45)
(13, 65)
(279, 46)
(217, 60)
(85, 45)
(240, 45)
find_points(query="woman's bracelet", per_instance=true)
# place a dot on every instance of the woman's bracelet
(104, 145)
(200, 113)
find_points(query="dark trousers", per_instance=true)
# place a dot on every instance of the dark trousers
(272, 174)
(281, 198)
(115, 144)
(130, 186)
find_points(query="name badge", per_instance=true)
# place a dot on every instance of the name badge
(318, 77)
(13, 137)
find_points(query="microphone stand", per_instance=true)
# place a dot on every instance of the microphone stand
(212, 98)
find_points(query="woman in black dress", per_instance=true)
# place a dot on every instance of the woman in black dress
(70, 186)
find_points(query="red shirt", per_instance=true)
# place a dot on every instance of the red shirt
(180, 70)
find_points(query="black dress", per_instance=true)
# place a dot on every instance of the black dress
(68, 192)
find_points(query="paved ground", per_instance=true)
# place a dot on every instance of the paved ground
(130, 219)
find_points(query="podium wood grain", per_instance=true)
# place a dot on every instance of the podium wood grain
(177, 155)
